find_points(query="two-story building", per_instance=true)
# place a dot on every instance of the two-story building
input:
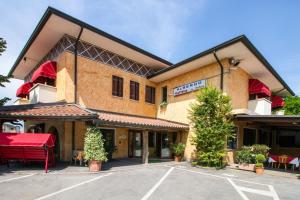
(76, 75)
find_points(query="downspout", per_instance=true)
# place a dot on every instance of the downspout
(75, 64)
(222, 70)
(75, 86)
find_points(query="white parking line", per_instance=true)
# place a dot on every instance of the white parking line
(72, 187)
(240, 189)
(16, 178)
(275, 195)
(150, 192)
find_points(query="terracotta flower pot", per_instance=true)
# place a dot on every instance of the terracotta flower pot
(95, 165)
(177, 158)
(259, 170)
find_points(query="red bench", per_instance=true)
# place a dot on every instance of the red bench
(28, 147)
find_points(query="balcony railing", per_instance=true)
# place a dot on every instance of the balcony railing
(41, 93)
(260, 106)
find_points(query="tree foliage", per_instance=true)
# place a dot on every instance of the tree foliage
(3, 79)
(212, 123)
(94, 145)
(292, 105)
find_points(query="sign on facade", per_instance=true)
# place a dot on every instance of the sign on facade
(189, 87)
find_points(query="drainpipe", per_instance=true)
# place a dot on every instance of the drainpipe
(222, 70)
(75, 64)
(75, 85)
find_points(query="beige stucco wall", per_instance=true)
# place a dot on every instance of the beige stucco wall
(235, 85)
(121, 141)
(95, 86)
(95, 91)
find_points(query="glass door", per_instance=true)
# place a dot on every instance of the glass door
(135, 144)
(138, 144)
(165, 145)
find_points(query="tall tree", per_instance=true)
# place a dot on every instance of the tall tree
(292, 105)
(212, 122)
(3, 79)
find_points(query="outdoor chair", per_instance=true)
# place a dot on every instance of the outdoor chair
(283, 160)
(78, 156)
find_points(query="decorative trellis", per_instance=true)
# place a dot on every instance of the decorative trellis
(95, 53)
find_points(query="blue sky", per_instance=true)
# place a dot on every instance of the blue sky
(173, 30)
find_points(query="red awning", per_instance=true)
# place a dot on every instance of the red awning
(47, 70)
(277, 102)
(27, 139)
(23, 90)
(257, 87)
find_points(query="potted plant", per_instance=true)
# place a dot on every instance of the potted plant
(94, 149)
(246, 158)
(259, 166)
(178, 150)
(163, 104)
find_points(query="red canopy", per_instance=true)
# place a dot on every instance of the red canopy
(23, 90)
(27, 139)
(47, 70)
(277, 102)
(257, 87)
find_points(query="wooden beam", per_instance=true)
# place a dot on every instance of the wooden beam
(145, 147)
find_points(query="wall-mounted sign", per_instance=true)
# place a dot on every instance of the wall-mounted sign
(189, 87)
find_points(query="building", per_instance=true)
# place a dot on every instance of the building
(76, 75)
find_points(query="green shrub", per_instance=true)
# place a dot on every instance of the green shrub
(248, 154)
(260, 158)
(194, 163)
(178, 149)
(94, 145)
(260, 149)
(212, 122)
(245, 155)
(259, 165)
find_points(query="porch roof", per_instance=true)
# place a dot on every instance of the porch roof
(69, 111)
(134, 121)
(42, 111)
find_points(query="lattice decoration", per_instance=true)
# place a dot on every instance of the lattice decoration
(95, 53)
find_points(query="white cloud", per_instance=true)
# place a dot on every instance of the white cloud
(155, 25)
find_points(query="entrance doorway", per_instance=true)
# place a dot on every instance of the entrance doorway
(135, 143)
(159, 144)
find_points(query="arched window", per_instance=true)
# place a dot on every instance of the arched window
(54, 131)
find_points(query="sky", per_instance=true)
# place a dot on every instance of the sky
(173, 30)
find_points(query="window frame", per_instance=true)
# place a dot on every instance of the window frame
(164, 94)
(149, 90)
(117, 90)
(135, 94)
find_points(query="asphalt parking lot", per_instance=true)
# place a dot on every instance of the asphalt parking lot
(140, 182)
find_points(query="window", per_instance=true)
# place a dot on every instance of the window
(249, 136)
(164, 94)
(263, 137)
(134, 90)
(150, 94)
(117, 86)
(232, 142)
(289, 138)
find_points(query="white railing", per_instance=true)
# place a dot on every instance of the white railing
(260, 106)
(41, 93)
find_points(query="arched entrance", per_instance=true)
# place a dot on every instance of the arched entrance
(54, 131)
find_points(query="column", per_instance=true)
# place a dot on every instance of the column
(145, 147)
